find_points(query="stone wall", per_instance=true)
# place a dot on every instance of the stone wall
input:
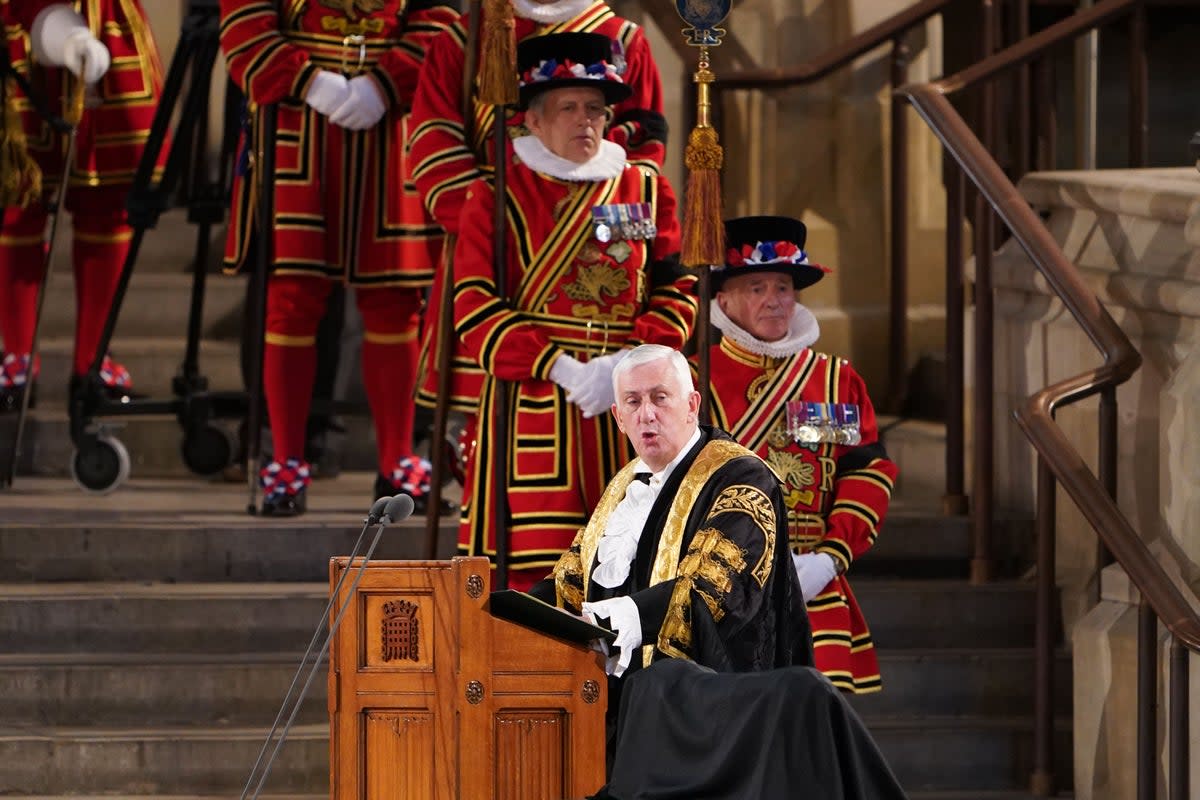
(1135, 236)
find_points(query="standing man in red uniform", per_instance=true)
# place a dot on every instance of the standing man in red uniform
(342, 73)
(592, 270)
(108, 45)
(770, 388)
(450, 152)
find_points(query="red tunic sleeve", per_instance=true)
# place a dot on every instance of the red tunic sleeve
(863, 484)
(505, 343)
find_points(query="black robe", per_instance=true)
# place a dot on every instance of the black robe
(729, 706)
(730, 599)
(688, 733)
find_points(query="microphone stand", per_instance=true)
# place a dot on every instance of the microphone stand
(385, 511)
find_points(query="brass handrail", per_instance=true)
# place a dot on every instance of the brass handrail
(1056, 453)
(1121, 359)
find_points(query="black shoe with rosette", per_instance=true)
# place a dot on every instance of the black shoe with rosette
(411, 476)
(285, 488)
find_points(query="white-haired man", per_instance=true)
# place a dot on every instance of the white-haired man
(686, 559)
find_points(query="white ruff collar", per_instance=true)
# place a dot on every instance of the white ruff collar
(608, 162)
(551, 13)
(803, 331)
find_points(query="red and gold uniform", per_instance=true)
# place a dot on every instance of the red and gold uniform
(568, 293)
(836, 494)
(449, 153)
(344, 206)
(110, 139)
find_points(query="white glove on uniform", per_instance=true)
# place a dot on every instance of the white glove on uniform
(815, 571)
(568, 372)
(60, 37)
(595, 394)
(623, 617)
(363, 108)
(327, 91)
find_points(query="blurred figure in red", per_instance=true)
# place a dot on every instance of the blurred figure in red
(111, 49)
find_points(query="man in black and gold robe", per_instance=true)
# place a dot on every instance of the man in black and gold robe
(686, 559)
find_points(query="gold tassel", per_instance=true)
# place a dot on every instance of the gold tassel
(498, 61)
(20, 176)
(703, 229)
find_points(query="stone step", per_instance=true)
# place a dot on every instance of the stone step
(155, 304)
(247, 689)
(128, 617)
(919, 448)
(218, 546)
(153, 441)
(917, 542)
(136, 690)
(973, 755)
(920, 614)
(267, 795)
(152, 362)
(152, 617)
(965, 754)
(157, 761)
(958, 682)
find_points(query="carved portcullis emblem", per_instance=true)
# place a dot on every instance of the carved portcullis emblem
(401, 631)
(591, 691)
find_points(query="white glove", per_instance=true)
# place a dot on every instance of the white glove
(815, 571)
(363, 107)
(568, 372)
(60, 37)
(595, 393)
(622, 614)
(327, 91)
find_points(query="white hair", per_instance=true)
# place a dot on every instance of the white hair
(647, 353)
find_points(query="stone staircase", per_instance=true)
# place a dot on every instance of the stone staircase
(148, 636)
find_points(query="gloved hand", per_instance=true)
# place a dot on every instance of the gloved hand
(594, 394)
(364, 106)
(327, 92)
(60, 37)
(622, 615)
(568, 372)
(86, 57)
(815, 571)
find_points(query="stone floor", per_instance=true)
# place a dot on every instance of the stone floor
(334, 502)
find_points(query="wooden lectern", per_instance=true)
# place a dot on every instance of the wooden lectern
(432, 698)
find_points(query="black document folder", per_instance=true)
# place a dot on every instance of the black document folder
(525, 609)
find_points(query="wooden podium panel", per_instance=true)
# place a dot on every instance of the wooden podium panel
(432, 698)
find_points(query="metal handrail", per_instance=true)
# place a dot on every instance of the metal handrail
(1036, 417)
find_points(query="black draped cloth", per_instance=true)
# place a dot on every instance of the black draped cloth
(686, 732)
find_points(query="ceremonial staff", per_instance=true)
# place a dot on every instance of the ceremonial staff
(498, 86)
(444, 338)
(703, 229)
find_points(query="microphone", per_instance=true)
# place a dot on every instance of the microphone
(377, 510)
(396, 509)
(384, 511)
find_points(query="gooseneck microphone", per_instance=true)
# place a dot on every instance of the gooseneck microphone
(385, 511)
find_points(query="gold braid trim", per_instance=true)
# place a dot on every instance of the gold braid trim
(568, 577)
(713, 560)
(20, 176)
(751, 500)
